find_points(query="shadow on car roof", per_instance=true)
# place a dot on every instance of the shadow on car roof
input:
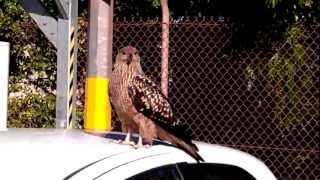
(134, 137)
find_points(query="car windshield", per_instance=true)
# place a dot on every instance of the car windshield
(203, 171)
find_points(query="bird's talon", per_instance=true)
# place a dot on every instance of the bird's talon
(118, 141)
(131, 143)
(138, 146)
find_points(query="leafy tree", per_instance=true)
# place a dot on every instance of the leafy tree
(32, 80)
(33, 58)
(290, 73)
(141, 8)
(251, 18)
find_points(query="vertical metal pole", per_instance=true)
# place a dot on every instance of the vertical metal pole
(97, 105)
(62, 74)
(67, 75)
(72, 67)
(4, 69)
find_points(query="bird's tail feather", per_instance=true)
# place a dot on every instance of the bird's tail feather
(190, 149)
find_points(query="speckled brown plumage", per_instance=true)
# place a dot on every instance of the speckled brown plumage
(141, 106)
(121, 76)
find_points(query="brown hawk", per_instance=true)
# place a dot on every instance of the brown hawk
(139, 104)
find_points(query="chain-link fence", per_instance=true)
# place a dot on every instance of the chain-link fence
(262, 99)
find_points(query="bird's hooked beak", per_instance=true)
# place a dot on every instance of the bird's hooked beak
(129, 59)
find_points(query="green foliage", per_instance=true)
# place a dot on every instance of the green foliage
(272, 3)
(301, 3)
(32, 81)
(290, 73)
(33, 58)
(141, 8)
(289, 12)
(32, 65)
(156, 3)
(32, 111)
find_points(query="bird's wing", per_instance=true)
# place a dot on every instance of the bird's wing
(148, 100)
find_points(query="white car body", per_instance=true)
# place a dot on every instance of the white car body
(74, 154)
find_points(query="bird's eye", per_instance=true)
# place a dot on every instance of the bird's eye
(123, 53)
(135, 53)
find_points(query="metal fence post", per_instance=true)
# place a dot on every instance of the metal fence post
(62, 73)
(66, 65)
(97, 105)
(4, 69)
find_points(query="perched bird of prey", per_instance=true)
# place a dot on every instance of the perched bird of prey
(140, 104)
(118, 90)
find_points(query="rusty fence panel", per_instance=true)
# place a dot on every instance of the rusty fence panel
(261, 99)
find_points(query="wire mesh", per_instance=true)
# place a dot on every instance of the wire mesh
(262, 100)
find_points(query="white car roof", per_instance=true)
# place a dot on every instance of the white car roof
(74, 154)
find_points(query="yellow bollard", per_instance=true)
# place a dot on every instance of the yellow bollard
(99, 69)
